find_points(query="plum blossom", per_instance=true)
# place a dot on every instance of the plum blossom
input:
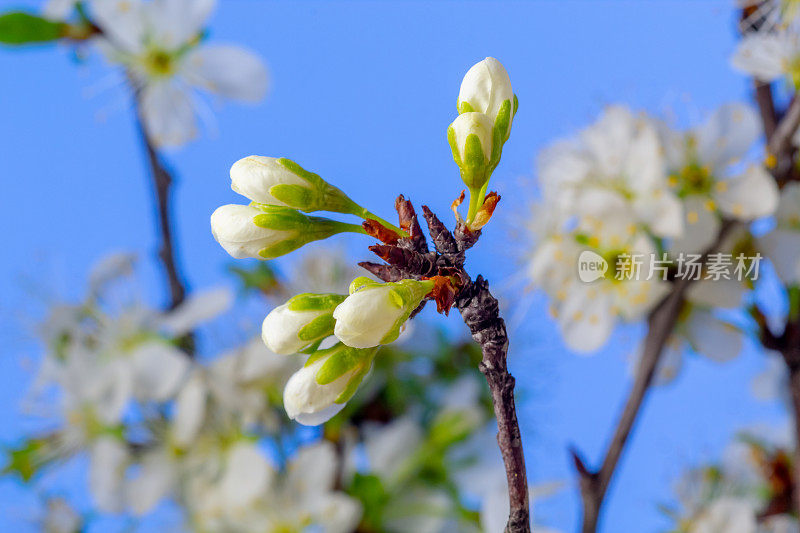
(616, 163)
(702, 168)
(160, 44)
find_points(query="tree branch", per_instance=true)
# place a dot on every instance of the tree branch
(661, 322)
(410, 258)
(780, 152)
(162, 182)
(480, 311)
(766, 106)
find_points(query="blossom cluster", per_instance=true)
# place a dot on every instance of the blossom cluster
(159, 425)
(630, 185)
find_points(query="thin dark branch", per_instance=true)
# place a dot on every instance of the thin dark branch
(661, 322)
(766, 106)
(162, 182)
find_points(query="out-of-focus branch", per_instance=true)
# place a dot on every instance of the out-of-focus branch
(780, 153)
(766, 106)
(661, 322)
(162, 183)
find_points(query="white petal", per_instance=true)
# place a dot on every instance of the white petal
(764, 55)
(230, 71)
(190, 409)
(782, 247)
(788, 212)
(644, 164)
(158, 369)
(176, 22)
(123, 22)
(712, 337)
(727, 135)
(313, 470)
(662, 212)
(168, 113)
(586, 321)
(701, 226)
(247, 476)
(722, 293)
(154, 481)
(337, 512)
(109, 458)
(388, 448)
(200, 307)
(111, 268)
(609, 139)
(751, 195)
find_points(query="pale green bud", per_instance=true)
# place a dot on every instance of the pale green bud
(486, 88)
(300, 322)
(470, 137)
(269, 231)
(374, 312)
(320, 389)
(282, 182)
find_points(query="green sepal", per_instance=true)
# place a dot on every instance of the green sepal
(361, 281)
(339, 363)
(474, 166)
(516, 105)
(341, 360)
(451, 139)
(312, 348)
(352, 385)
(410, 293)
(502, 123)
(18, 27)
(322, 326)
(314, 302)
(322, 196)
(305, 228)
(464, 107)
(296, 196)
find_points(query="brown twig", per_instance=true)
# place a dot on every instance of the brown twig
(766, 106)
(660, 322)
(162, 182)
(410, 258)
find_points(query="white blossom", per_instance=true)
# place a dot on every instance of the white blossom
(159, 44)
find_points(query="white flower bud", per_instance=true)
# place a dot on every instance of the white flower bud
(233, 227)
(470, 137)
(269, 231)
(283, 183)
(486, 88)
(253, 177)
(374, 312)
(319, 390)
(300, 322)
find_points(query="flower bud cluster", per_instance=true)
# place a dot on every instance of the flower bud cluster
(372, 315)
(486, 106)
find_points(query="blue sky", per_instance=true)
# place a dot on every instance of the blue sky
(362, 93)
